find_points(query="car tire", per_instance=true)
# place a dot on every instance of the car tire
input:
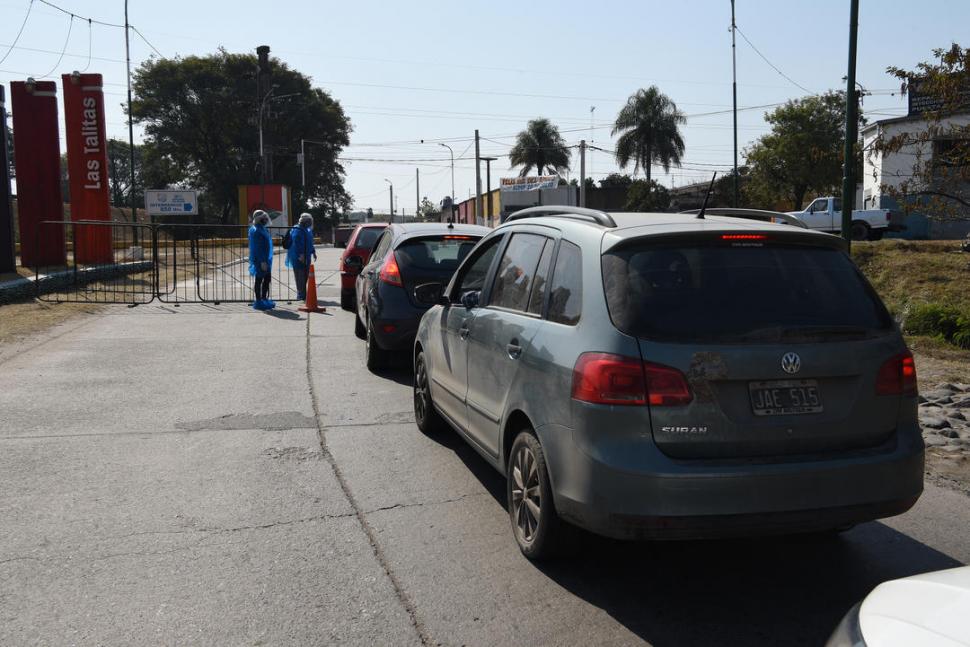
(426, 416)
(374, 356)
(859, 230)
(876, 234)
(536, 526)
(359, 328)
(347, 302)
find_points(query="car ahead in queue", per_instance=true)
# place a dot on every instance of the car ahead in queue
(406, 255)
(671, 376)
(355, 257)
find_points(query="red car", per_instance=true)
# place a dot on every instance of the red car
(354, 258)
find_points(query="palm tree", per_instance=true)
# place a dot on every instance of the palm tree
(541, 146)
(649, 125)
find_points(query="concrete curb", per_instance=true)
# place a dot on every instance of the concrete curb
(28, 288)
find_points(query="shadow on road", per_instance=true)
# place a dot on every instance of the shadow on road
(760, 591)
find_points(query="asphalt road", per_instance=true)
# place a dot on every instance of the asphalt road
(214, 475)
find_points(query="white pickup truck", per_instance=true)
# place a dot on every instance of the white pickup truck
(825, 214)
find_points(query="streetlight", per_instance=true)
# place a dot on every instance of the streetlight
(452, 175)
(392, 197)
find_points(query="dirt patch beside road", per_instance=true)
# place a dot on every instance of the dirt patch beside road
(19, 321)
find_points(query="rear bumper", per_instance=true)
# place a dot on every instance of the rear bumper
(348, 281)
(400, 338)
(669, 499)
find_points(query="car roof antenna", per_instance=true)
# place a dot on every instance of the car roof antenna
(707, 197)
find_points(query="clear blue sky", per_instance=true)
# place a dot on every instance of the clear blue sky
(457, 66)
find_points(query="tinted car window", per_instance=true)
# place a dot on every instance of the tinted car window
(542, 275)
(724, 293)
(439, 254)
(473, 277)
(516, 269)
(381, 248)
(566, 295)
(367, 236)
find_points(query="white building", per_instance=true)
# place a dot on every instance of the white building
(891, 170)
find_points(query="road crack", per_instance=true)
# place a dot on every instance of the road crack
(402, 596)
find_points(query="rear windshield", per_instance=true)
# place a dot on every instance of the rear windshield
(724, 293)
(367, 236)
(439, 254)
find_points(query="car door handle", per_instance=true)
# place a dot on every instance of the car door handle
(463, 332)
(513, 349)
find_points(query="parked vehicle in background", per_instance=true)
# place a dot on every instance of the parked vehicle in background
(342, 234)
(406, 255)
(667, 376)
(929, 610)
(825, 214)
(355, 257)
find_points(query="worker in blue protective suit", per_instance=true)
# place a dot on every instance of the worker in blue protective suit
(261, 260)
(300, 251)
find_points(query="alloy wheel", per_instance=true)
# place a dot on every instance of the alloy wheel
(421, 396)
(526, 494)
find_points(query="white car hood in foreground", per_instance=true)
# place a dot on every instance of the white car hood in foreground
(932, 609)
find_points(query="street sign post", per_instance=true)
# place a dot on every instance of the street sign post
(169, 202)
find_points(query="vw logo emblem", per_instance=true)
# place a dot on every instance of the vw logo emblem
(791, 363)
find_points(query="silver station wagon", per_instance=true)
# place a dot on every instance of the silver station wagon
(671, 376)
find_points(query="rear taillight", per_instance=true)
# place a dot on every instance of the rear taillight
(390, 272)
(604, 378)
(897, 376)
(666, 386)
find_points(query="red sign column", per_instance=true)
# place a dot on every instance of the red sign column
(87, 164)
(38, 161)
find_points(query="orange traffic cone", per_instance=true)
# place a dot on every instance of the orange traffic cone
(311, 293)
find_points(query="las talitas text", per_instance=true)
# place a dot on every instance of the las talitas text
(92, 142)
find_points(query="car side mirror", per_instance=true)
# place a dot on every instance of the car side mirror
(353, 262)
(470, 299)
(428, 294)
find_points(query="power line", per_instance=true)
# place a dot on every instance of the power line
(74, 15)
(88, 64)
(70, 27)
(142, 36)
(773, 66)
(30, 6)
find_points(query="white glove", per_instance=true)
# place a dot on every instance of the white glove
(264, 266)
(302, 258)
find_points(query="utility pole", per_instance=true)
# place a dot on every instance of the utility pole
(302, 164)
(391, 184)
(734, 92)
(417, 192)
(582, 172)
(478, 181)
(851, 127)
(488, 184)
(131, 136)
(592, 109)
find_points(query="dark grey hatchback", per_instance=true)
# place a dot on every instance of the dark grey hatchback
(405, 256)
(668, 376)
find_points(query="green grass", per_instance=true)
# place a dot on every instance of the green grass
(925, 284)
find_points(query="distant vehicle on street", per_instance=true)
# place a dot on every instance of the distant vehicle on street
(825, 214)
(929, 610)
(405, 256)
(671, 377)
(342, 234)
(357, 253)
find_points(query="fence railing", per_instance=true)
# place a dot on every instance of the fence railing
(109, 262)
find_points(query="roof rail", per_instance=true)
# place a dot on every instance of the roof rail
(564, 211)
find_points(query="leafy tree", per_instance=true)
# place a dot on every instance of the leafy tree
(649, 131)
(647, 195)
(803, 152)
(540, 146)
(429, 211)
(614, 180)
(199, 114)
(939, 177)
